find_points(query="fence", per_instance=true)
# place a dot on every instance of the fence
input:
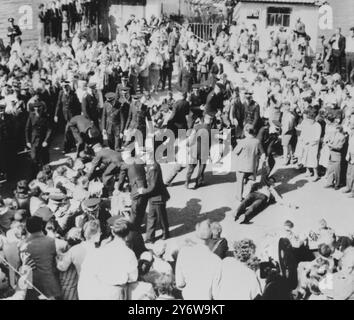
(203, 31)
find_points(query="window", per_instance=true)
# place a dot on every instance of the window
(278, 16)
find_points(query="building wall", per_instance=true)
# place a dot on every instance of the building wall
(25, 13)
(308, 14)
(339, 14)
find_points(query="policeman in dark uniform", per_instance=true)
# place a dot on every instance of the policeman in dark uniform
(7, 143)
(214, 101)
(89, 104)
(38, 132)
(68, 104)
(13, 31)
(93, 209)
(179, 116)
(158, 195)
(134, 170)
(138, 116)
(251, 111)
(109, 162)
(195, 104)
(111, 122)
(84, 132)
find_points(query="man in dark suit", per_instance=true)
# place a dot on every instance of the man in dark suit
(134, 170)
(158, 196)
(113, 120)
(214, 102)
(38, 132)
(89, 104)
(68, 104)
(179, 116)
(251, 111)
(109, 161)
(338, 42)
(13, 31)
(7, 143)
(41, 249)
(84, 132)
(138, 116)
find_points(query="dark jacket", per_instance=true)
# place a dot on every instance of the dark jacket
(213, 104)
(42, 251)
(38, 129)
(135, 172)
(89, 107)
(69, 105)
(156, 190)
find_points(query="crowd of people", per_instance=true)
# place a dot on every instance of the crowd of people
(73, 229)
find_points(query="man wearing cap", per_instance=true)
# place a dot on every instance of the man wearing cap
(158, 195)
(38, 132)
(195, 103)
(252, 111)
(138, 118)
(84, 132)
(68, 104)
(113, 121)
(89, 104)
(13, 30)
(350, 56)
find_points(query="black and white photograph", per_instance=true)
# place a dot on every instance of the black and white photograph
(176, 150)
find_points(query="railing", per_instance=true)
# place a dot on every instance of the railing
(203, 31)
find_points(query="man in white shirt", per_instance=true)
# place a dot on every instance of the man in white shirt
(198, 270)
(238, 281)
(106, 273)
(350, 56)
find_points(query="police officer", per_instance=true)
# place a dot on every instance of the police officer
(157, 196)
(89, 104)
(134, 170)
(7, 139)
(38, 132)
(109, 161)
(68, 104)
(251, 111)
(83, 131)
(113, 120)
(138, 117)
(13, 31)
(179, 116)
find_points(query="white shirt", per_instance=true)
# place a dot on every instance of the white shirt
(238, 282)
(349, 46)
(106, 268)
(198, 272)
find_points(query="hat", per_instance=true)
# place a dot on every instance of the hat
(248, 91)
(94, 132)
(92, 85)
(125, 89)
(65, 83)
(137, 96)
(45, 213)
(351, 29)
(91, 204)
(56, 195)
(11, 19)
(110, 96)
(36, 105)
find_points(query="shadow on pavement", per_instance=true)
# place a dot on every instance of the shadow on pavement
(186, 218)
